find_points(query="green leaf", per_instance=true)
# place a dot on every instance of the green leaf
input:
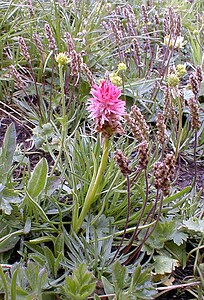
(119, 275)
(27, 226)
(13, 285)
(32, 273)
(9, 242)
(108, 287)
(4, 283)
(178, 252)
(81, 284)
(179, 237)
(136, 275)
(50, 259)
(38, 179)
(195, 224)
(9, 147)
(59, 244)
(57, 264)
(164, 264)
(8, 197)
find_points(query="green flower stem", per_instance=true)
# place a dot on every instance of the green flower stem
(62, 89)
(93, 188)
(63, 118)
(180, 131)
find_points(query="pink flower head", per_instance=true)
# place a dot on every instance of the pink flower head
(105, 107)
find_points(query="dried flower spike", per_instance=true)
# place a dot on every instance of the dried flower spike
(24, 49)
(49, 36)
(122, 162)
(164, 173)
(194, 113)
(134, 128)
(18, 80)
(161, 128)
(140, 121)
(38, 43)
(199, 74)
(30, 7)
(143, 154)
(88, 73)
(194, 84)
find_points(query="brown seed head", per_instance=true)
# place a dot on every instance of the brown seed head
(38, 44)
(161, 128)
(199, 74)
(194, 113)
(24, 49)
(143, 154)
(49, 36)
(194, 84)
(140, 121)
(70, 43)
(122, 162)
(18, 80)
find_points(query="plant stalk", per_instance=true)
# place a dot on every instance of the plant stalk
(93, 188)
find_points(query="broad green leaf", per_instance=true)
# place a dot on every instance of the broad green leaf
(108, 287)
(50, 259)
(81, 284)
(32, 273)
(8, 197)
(87, 290)
(177, 195)
(164, 264)
(178, 252)
(195, 224)
(9, 242)
(38, 179)
(179, 237)
(119, 275)
(8, 148)
(27, 226)
(136, 275)
(42, 278)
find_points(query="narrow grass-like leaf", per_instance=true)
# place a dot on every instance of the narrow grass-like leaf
(13, 284)
(3, 278)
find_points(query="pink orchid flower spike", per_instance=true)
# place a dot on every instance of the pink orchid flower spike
(106, 109)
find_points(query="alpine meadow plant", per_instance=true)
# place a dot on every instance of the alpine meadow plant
(107, 110)
(101, 192)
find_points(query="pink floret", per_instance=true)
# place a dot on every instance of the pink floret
(105, 107)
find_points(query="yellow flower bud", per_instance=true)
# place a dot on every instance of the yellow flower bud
(180, 70)
(62, 59)
(115, 79)
(122, 67)
(173, 80)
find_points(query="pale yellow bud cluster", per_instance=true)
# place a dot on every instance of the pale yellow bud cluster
(114, 77)
(180, 70)
(172, 80)
(174, 42)
(62, 59)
